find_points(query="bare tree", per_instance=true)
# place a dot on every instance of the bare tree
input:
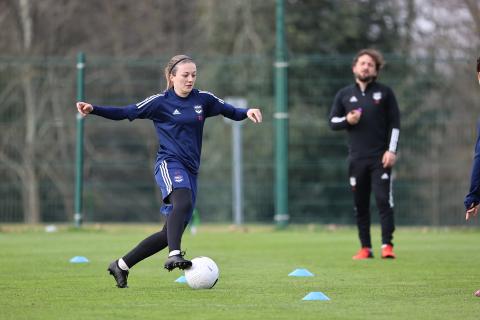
(26, 149)
(37, 98)
(473, 7)
(445, 41)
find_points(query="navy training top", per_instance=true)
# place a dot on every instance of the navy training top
(473, 196)
(178, 122)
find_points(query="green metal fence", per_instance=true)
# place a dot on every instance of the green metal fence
(431, 178)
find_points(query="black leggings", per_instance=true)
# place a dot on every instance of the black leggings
(171, 234)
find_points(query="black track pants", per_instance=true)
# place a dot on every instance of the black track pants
(365, 175)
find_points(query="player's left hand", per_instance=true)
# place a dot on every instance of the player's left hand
(388, 159)
(472, 212)
(255, 115)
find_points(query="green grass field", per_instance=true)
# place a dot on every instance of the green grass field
(433, 278)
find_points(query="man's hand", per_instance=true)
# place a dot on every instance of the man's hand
(388, 159)
(353, 117)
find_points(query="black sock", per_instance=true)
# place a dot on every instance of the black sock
(147, 247)
(181, 199)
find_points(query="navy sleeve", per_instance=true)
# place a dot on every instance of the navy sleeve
(113, 113)
(337, 118)
(473, 196)
(217, 106)
(141, 110)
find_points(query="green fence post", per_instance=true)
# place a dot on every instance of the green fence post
(281, 121)
(79, 143)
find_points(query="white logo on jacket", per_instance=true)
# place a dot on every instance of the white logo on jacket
(353, 99)
(377, 95)
(176, 112)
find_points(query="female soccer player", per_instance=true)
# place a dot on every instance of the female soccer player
(178, 114)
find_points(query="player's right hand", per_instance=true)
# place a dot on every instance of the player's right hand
(472, 211)
(84, 108)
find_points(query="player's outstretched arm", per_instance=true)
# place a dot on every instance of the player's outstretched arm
(84, 108)
(255, 115)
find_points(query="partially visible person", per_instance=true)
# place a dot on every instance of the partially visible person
(368, 111)
(472, 199)
(179, 115)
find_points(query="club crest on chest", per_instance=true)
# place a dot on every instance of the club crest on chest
(198, 109)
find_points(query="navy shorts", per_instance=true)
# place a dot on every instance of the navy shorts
(171, 175)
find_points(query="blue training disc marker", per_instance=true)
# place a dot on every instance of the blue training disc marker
(316, 296)
(300, 273)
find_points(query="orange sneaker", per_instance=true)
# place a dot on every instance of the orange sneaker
(364, 253)
(387, 252)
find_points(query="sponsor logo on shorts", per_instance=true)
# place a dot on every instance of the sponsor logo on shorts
(178, 178)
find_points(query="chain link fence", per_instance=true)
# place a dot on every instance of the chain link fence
(37, 151)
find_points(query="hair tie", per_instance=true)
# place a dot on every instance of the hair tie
(186, 58)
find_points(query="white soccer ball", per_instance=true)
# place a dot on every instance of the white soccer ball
(203, 274)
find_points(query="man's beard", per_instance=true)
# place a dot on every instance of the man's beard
(368, 78)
